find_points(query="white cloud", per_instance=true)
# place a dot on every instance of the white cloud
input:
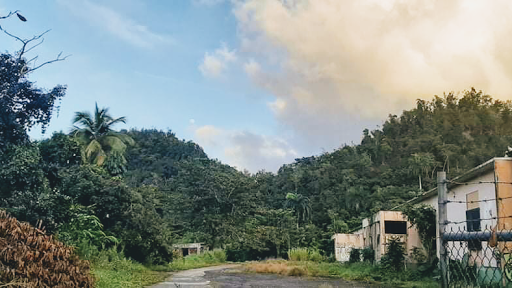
(252, 68)
(208, 135)
(116, 24)
(256, 152)
(329, 61)
(245, 150)
(214, 64)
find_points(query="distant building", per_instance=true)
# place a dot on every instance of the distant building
(375, 233)
(189, 248)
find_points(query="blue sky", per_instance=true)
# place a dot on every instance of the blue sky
(258, 83)
(153, 79)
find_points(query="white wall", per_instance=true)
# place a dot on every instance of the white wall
(456, 212)
(344, 243)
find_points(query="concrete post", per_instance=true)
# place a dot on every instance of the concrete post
(442, 216)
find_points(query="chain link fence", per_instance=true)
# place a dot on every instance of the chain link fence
(476, 250)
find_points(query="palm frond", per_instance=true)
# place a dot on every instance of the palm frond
(113, 143)
(94, 153)
(83, 118)
(123, 137)
(117, 120)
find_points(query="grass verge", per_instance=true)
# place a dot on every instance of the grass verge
(361, 272)
(135, 277)
(112, 269)
(208, 258)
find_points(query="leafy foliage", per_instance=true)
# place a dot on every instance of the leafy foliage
(395, 255)
(22, 105)
(368, 254)
(423, 217)
(101, 144)
(355, 255)
(84, 226)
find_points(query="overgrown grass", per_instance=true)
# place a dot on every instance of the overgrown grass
(208, 258)
(304, 254)
(112, 269)
(362, 272)
(298, 254)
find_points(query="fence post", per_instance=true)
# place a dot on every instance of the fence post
(442, 218)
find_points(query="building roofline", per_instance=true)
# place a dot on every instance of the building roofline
(471, 174)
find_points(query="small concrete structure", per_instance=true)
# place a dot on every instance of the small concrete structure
(385, 225)
(376, 233)
(344, 243)
(189, 248)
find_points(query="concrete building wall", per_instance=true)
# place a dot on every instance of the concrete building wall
(373, 234)
(456, 212)
(344, 243)
(410, 238)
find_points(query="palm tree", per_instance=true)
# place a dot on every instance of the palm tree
(100, 143)
(421, 163)
(300, 204)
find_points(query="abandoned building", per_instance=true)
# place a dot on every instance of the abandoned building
(478, 202)
(190, 248)
(375, 233)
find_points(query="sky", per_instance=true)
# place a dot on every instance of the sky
(258, 83)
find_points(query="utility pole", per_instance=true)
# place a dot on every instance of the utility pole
(442, 216)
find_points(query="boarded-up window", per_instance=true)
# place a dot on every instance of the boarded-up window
(395, 227)
(472, 200)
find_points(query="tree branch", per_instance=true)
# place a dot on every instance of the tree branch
(26, 42)
(48, 62)
(25, 48)
(9, 15)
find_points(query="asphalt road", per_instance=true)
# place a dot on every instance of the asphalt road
(230, 276)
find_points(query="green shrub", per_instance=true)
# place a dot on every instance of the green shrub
(205, 259)
(395, 255)
(331, 258)
(298, 254)
(84, 230)
(236, 255)
(113, 269)
(355, 255)
(220, 255)
(418, 255)
(315, 256)
(368, 254)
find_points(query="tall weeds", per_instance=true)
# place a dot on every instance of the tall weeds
(304, 254)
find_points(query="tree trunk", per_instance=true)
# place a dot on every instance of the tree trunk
(419, 176)
(298, 217)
